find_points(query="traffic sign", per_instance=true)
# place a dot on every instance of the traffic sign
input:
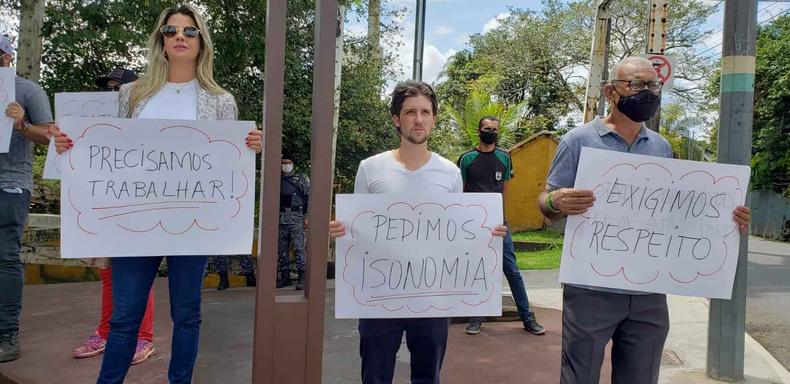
(665, 68)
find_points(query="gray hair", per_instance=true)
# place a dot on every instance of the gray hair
(631, 60)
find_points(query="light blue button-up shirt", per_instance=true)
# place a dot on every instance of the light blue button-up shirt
(596, 134)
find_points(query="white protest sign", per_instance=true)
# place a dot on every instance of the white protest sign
(78, 104)
(405, 257)
(657, 225)
(7, 96)
(137, 187)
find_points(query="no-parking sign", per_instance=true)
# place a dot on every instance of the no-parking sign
(665, 68)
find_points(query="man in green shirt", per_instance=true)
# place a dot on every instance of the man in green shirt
(487, 168)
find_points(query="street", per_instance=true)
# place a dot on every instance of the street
(768, 297)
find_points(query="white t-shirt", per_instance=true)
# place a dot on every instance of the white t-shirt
(176, 101)
(383, 174)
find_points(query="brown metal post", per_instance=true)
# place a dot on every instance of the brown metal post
(289, 328)
(268, 219)
(657, 43)
(321, 175)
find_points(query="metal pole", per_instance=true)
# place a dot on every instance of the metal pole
(419, 40)
(656, 43)
(605, 70)
(263, 352)
(321, 176)
(727, 322)
(597, 59)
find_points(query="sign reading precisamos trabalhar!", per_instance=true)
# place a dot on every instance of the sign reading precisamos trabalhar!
(418, 257)
(657, 225)
(135, 187)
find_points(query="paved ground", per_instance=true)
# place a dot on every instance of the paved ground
(57, 317)
(768, 297)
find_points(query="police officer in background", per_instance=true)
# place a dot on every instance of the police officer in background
(294, 195)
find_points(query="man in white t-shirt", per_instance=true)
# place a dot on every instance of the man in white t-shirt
(409, 169)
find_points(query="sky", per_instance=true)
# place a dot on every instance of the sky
(449, 23)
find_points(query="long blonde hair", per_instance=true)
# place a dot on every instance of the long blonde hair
(158, 65)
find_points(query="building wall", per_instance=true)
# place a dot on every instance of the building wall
(531, 162)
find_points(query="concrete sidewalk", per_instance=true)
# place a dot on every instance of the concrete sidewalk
(687, 337)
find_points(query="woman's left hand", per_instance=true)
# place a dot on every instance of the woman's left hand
(500, 231)
(254, 140)
(742, 216)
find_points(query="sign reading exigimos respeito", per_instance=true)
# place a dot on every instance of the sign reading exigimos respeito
(657, 225)
(135, 187)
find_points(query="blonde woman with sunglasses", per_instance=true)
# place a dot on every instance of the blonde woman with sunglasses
(178, 84)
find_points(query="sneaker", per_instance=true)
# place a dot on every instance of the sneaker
(533, 327)
(474, 326)
(92, 347)
(143, 351)
(9, 346)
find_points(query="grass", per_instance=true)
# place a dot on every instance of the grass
(543, 236)
(545, 259)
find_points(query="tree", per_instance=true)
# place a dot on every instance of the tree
(547, 54)
(85, 39)
(771, 135)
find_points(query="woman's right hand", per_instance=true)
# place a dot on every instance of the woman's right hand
(62, 141)
(336, 229)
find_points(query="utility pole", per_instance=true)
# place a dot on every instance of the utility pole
(727, 320)
(28, 57)
(419, 40)
(657, 43)
(597, 59)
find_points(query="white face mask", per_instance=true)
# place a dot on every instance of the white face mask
(287, 168)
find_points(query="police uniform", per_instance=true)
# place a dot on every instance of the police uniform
(294, 196)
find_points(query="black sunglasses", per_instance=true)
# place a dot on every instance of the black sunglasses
(171, 30)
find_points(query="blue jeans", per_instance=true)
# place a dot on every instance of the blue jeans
(13, 215)
(380, 339)
(132, 279)
(514, 280)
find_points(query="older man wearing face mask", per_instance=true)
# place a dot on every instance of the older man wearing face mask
(294, 196)
(637, 323)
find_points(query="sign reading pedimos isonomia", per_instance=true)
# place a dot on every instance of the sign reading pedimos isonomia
(405, 256)
(136, 187)
(657, 225)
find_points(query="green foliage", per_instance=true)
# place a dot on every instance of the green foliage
(541, 58)
(478, 105)
(676, 126)
(771, 135)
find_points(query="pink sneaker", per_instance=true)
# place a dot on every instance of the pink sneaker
(92, 347)
(143, 351)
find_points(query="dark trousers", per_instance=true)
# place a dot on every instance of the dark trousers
(636, 324)
(514, 280)
(13, 215)
(380, 340)
(132, 279)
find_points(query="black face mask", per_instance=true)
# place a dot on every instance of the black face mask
(639, 107)
(488, 137)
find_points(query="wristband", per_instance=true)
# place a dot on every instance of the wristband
(550, 205)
